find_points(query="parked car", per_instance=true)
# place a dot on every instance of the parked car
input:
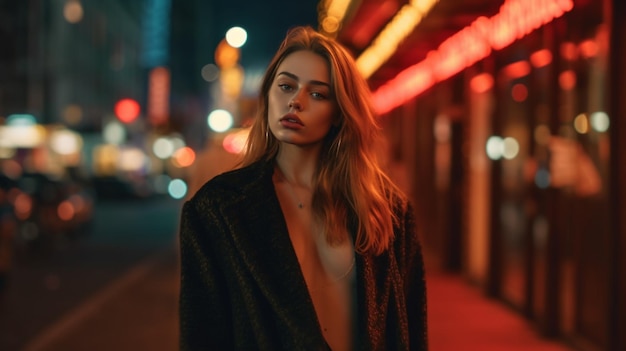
(9, 191)
(50, 208)
(117, 188)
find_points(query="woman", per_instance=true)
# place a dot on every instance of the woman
(309, 245)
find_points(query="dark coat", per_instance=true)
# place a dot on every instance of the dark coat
(242, 287)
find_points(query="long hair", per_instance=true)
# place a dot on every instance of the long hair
(350, 188)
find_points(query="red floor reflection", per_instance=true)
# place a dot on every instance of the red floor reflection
(460, 317)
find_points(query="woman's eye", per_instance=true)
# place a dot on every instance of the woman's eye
(284, 87)
(318, 96)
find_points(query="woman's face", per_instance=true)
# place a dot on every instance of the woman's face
(301, 109)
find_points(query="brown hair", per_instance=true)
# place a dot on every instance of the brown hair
(350, 188)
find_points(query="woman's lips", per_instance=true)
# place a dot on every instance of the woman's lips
(291, 121)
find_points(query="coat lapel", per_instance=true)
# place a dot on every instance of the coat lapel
(261, 236)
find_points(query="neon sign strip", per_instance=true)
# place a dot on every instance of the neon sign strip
(516, 19)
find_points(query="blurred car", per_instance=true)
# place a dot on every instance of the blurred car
(49, 208)
(117, 188)
(9, 191)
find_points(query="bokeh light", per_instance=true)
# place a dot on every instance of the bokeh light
(542, 178)
(127, 110)
(72, 114)
(65, 142)
(494, 147)
(567, 80)
(481, 83)
(510, 148)
(519, 92)
(220, 120)
(184, 157)
(210, 72)
(131, 159)
(177, 188)
(114, 132)
(73, 11)
(581, 124)
(163, 148)
(235, 143)
(236, 37)
(600, 121)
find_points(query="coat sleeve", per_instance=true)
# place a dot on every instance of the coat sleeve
(415, 284)
(204, 314)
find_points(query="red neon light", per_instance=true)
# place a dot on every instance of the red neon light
(516, 19)
(158, 95)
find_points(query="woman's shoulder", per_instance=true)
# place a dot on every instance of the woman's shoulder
(230, 183)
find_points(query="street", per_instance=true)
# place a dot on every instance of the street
(93, 293)
(117, 289)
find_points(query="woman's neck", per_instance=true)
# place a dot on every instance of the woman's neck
(297, 164)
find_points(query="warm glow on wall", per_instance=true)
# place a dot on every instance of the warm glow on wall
(383, 47)
(515, 19)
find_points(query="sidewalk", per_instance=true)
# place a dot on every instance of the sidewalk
(460, 317)
(139, 312)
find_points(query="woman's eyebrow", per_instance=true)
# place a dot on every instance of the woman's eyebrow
(296, 78)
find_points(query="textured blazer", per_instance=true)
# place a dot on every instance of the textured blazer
(242, 287)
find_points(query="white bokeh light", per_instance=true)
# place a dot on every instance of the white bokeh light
(66, 142)
(236, 37)
(600, 121)
(114, 132)
(163, 148)
(495, 147)
(511, 148)
(220, 120)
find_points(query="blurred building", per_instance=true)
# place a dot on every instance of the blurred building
(124, 73)
(506, 116)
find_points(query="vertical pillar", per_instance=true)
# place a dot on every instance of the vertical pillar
(617, 112)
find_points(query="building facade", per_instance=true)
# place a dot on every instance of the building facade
(514, 155)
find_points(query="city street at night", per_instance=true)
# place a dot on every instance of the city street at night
(117, 289)
(501, 122)
(126, 266)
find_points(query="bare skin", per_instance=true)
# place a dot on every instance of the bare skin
(301, 113)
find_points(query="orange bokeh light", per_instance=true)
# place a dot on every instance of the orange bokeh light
(65, 211)
(184, 157)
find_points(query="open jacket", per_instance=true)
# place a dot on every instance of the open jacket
(242, 287)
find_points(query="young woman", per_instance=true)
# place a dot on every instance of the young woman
(308, 245)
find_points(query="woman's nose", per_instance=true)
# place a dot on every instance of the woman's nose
(295, 102)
